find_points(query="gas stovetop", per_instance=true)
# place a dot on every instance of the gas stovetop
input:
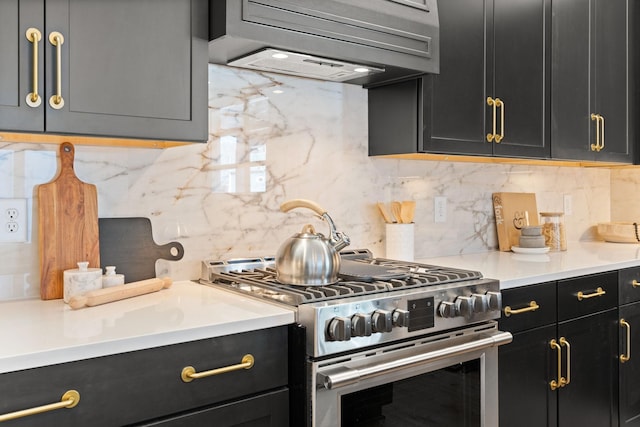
(360, 274)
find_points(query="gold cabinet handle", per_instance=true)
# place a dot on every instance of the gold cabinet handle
(56, 101)
(563, 342)
(596, 118)
(69, 400)
(34, 36)
(492, 103)
(500, 103)
(635, 283)
(598, 293)
(627, 354)
(556, 384)
(533, 306)
(601, 118)
(189, 373)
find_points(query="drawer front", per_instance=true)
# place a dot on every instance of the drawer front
(627, 292)
(587, 295)
(518, 307)
(141, 385)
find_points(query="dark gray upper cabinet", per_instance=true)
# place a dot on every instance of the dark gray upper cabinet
(591, 76)
(494, 49)
(134, 69)
(16, 68)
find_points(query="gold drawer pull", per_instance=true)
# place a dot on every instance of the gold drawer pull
(56, 101)
(556, 384)
(69, 400)
(635, 283)
(33, 98)
(598, 293)
(563, 342)
(189, 372)
(627, 355)
(533, 306)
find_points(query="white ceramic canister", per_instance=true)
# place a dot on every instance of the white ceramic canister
(110, 278)
(81, 280)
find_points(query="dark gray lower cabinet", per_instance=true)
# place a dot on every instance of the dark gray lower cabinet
(146, 387)
(575, 346)
(629, 329)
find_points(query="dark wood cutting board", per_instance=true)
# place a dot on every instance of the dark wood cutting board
(67, 225)
(127, 243)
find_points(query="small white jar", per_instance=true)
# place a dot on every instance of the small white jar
(81, 280)
(110, 278)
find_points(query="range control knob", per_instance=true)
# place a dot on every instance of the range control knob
(339, 329)
(400, 317)
(361, 325)
(495, 300)
(447, 309)
(381, 321)
(464, 306)
(480, 303)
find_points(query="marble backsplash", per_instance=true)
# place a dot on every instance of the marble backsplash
(275, 138)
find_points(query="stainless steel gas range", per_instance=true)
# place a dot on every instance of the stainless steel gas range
(384, 331)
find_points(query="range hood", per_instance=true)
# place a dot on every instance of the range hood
(364, 42)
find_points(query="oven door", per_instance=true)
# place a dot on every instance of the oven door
(449, 379)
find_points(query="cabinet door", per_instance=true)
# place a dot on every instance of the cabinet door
(591, 397)
(630, 370)
(525, 369)
(129, 68)
(460, 115)
(612, 94)
(521, 73)
(17, 65)
(268, 410)
(590, 75)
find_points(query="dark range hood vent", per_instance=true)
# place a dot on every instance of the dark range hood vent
(363, 42)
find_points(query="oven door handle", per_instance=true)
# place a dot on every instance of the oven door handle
(343, 376)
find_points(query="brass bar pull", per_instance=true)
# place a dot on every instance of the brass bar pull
(33, 98)
(500, 103)
(596, 146)
(635, 283)
(556, 384)
(492, 103)
(56, 101)
(598, 293)
(533, 306)
(601, 118)
(627, 354)
(563, 342)
(69, 400)
(189, 373)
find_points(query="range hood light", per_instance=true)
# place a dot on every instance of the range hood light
(280, 55)
(361, 70)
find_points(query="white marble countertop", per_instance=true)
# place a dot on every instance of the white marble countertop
(37, 333)
(514, 270)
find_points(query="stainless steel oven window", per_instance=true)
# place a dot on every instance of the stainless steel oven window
(340, 377)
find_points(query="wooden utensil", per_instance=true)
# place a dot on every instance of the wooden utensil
(407, 211)
(120, 292)
(67, 225)
(383, 211)
(396, 210)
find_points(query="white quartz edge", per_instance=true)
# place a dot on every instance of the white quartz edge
(38, 333)
(513, 270)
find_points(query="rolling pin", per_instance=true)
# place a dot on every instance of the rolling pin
(116, 293)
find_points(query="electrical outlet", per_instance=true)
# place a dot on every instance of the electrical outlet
(568, 205)
(440, 209)
(13, 220)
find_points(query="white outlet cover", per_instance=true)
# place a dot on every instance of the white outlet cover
(13, 228)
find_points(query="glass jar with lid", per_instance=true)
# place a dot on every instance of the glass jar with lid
(553, 230)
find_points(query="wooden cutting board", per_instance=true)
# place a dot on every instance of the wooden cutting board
(512, 211)
(127, 244)
(67, 225)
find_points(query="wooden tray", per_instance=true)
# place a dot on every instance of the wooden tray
(619, 232)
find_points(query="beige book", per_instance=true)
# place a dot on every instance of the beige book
(512, 212)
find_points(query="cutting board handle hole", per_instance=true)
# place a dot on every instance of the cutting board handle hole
(174, 251)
